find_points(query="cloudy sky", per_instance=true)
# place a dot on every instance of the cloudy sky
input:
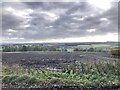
(60, 21)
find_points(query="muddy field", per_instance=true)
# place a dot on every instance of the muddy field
(54, 60)
(50, 59)
(67, 88)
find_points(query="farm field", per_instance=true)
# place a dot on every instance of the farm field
(50, 59)
(60, 66)
(60, 70)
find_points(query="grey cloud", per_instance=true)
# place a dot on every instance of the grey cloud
(48, 5)
(10, 22)
(65, 25)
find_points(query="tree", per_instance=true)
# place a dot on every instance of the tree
(91, 49)
(76, 49)
(24, 48)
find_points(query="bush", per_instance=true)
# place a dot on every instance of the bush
(115, 52)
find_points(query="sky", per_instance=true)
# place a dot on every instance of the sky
(76, 21)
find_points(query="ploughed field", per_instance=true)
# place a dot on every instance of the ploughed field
(60, 71)
(50, 59)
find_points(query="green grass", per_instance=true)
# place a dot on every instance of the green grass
(87, 73)
(95, 46)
